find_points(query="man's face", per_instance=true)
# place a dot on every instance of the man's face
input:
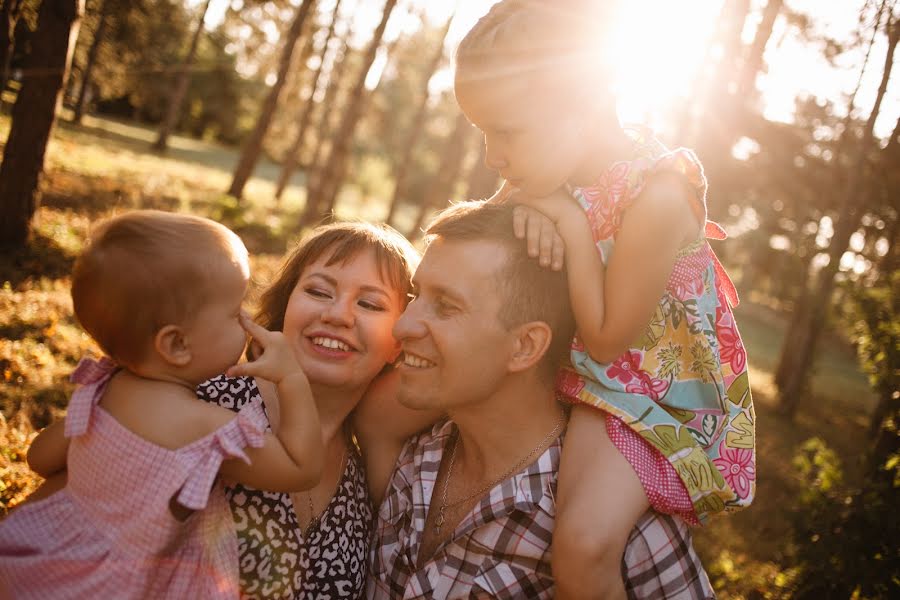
(455, 350)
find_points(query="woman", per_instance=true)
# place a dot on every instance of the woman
(336, 298)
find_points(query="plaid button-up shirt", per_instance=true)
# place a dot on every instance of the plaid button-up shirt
(502, 548)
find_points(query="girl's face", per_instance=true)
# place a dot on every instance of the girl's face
(530, 139)
(339, 319)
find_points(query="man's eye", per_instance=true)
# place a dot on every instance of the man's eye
(443, 307)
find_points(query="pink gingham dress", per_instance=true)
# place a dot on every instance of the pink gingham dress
(109, 533)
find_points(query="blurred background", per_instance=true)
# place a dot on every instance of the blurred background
(243, 110)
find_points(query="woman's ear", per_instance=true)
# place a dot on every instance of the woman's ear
(171, 345)
(531, 342)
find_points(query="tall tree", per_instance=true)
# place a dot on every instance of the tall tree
(86, 76)
(800, 342)
(329, 102)
(330, 179)
(441, 188)
(253, 146)
(401, 170)
(292, 156)
(753, 58)
(173, 112)
(33, 116)
(9, 14)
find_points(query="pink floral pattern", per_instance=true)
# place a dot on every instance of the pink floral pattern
(738, 467)
(683, 385)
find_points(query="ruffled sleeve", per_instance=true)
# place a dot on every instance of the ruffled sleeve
(229, 441)
(685, 163)
(93, 375)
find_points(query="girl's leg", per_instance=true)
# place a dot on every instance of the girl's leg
(599, 500)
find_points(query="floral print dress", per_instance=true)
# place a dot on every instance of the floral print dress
(683, 385)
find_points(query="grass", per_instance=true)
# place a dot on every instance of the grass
(105, 166)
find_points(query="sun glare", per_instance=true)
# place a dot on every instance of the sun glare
(658, 48)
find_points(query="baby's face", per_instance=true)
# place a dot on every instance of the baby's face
(215, 334)
(530, 139)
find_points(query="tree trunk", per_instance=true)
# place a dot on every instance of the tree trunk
(329, 102)
(253, 145)
(292, 156)
(753, 60)
(179, 91)
(329, 180)
(800, 342)
(33, 116)
(401, 173)
(81, 103)
(441, 189)
(482, 181)
(9, 14)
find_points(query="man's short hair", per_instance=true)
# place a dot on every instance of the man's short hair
(529, 291)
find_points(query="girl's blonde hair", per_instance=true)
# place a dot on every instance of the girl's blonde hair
(525, 37)
(395, 256)
(146, 269)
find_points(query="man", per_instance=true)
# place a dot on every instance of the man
(469, 508)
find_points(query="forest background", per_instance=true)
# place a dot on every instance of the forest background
(241, 110)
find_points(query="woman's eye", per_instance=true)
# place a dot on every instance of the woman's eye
(317, 293)
(371, 305)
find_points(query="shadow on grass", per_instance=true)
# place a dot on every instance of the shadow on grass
(41, 258)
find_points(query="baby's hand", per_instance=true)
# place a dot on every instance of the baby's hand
(275, 362)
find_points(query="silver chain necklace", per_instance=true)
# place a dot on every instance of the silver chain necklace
(439, 522)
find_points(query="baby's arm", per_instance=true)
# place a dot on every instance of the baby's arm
(291, 459)
(47, 453)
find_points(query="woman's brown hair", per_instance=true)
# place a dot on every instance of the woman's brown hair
(395, 256)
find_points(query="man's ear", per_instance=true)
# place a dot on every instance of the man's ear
(171, 345)
(531, 342)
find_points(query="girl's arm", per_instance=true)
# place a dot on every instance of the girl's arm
(291, 459)
(658, 224)
(613, 304)
(47, 453)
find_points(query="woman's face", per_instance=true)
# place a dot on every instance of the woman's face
(339, 319)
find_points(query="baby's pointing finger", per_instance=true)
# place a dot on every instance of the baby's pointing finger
(257, 331)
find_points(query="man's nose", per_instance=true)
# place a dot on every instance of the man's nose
(409, 325)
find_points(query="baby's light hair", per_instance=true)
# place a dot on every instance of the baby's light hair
(527, 37)
(146, 269)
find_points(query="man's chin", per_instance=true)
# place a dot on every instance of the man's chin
(413, 401)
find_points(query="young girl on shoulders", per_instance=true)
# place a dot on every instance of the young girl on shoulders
(143, 514)
(657, 349)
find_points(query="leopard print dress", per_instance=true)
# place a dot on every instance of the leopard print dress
(276, 561)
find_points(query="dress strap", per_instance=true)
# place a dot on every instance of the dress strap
(246, 429)
(93, 375)
(714, 231)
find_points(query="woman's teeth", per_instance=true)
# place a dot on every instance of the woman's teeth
(331, 343)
